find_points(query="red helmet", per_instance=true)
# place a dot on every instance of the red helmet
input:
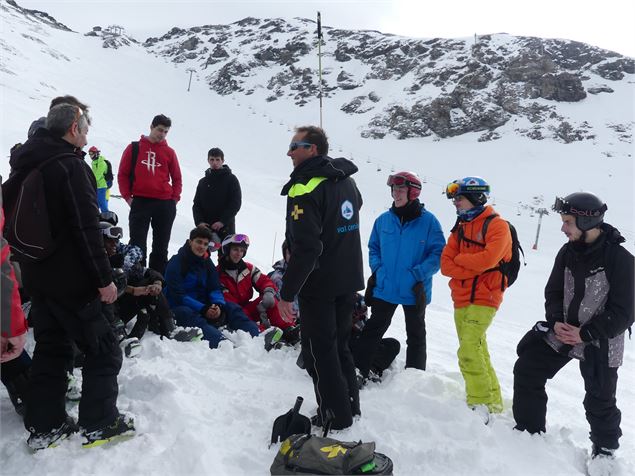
(406, 179)
(93, 149)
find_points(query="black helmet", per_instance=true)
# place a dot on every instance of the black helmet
(586, 207)
(110, 217)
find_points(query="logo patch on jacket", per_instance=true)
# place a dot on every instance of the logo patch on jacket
(296, 212)
(347, 209)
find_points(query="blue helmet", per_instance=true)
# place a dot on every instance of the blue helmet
(475, 189)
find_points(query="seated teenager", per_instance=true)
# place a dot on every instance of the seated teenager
(239, 278)
(193, 291)
(142, 297)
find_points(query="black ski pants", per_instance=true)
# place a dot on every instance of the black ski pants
(55, 327)
(157, 316)
(160, 214)
(387, 351)
(326, 328)
(537, 362)
(375, 328)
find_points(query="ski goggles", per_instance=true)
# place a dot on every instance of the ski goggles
(401, 181)
(296, 145)
(453, 189)
(564, 208)
(240, 239)
(114, 232)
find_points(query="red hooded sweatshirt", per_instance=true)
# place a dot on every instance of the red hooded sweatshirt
(157, 172)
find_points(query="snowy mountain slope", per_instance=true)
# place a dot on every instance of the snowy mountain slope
(210, 412)
(408, 87)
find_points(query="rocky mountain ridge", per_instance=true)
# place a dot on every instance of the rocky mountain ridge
(407, 87)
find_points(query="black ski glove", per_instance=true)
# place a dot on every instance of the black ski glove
(370, 286)
(420, 297)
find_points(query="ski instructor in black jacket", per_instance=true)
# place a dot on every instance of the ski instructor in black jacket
(588, 308)
(325, 269)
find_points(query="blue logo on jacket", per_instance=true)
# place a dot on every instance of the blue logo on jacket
(347, 209)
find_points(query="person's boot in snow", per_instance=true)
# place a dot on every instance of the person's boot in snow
(482, 411)
(602, 462)
(291, 335)
(73, 389)
(131, 346)
(51, 439)
(272, 338)
(16, 389)
(186, 334)
(121, 429)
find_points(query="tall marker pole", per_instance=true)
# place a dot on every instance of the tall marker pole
(319, 34)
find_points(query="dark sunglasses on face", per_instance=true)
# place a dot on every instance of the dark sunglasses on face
(296, 145)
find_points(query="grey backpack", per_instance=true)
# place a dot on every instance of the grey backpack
(308, 454)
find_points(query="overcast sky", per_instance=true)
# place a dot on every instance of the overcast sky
(608, 23)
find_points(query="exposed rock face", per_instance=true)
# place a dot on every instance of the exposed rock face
(453, 86)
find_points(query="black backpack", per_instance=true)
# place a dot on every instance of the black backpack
(508, 269)
(28, 227)
(108, 175)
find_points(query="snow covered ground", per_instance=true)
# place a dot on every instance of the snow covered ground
(210, 412)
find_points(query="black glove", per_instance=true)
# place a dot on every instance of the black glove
(542, 326)
(97, 332)
(370, 286)
(420, 297)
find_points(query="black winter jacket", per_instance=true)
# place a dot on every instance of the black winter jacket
(218, 198)
(322, 230)
(592, 287)
(79, 265)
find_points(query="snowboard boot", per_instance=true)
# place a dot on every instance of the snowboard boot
(602, 462)
(51, 439)
(272, 338)
(482, 411)
(131, 347)
(186, 334)
(291, 335)
(121, 429)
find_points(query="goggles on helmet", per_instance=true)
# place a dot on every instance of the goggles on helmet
(565, 208)
(455, 188)
(240, 239)
(114, 232)
(401, 181)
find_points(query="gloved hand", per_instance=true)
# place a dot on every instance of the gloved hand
(264, 318)
(96, 330)
(268, 298)
(542, 326)
(420, 297)
(370, 286)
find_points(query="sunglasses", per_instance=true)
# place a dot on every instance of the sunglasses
(296, 145)
(401, 181)
(114, 232)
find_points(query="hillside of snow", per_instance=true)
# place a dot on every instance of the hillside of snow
(210, 412)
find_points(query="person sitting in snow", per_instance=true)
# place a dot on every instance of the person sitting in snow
(194, 293)
(239, 278)
(143, 295)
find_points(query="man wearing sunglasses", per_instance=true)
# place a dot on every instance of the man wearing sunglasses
(588, 308)
(325, 269)
(67, 289)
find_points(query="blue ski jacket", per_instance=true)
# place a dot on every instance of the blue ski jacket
(402, 254)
